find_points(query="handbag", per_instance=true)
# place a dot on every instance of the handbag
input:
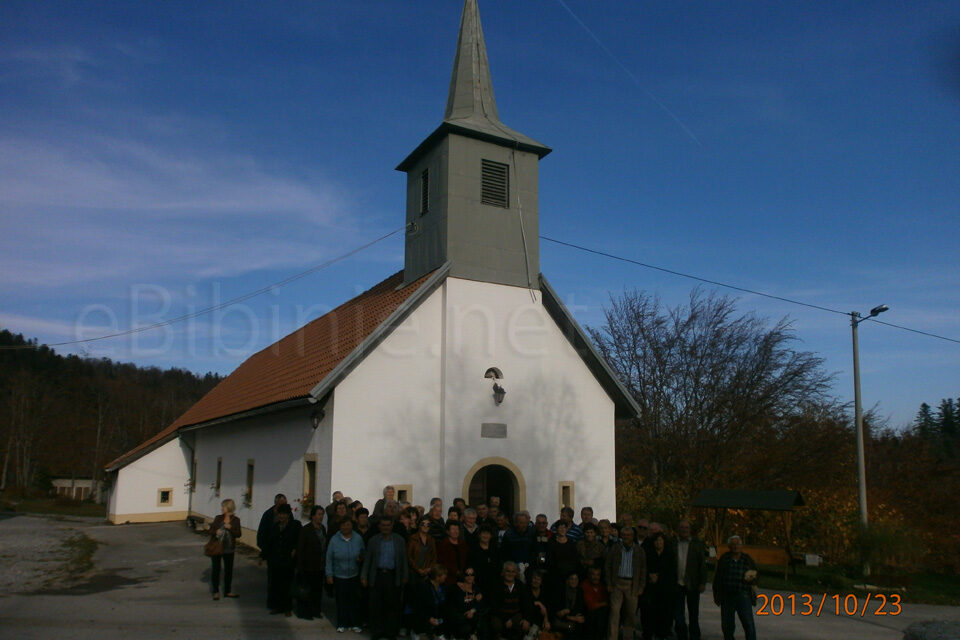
(213, 547)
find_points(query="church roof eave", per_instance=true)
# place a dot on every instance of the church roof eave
(626, 405)
(501, 135)
(373, 340)
(282, 375)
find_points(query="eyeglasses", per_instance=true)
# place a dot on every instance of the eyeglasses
(469, 574)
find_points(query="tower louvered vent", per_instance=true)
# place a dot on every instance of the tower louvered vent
(495, 184)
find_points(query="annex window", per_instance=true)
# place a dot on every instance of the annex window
(310, 478)
(248, 490)
(165, 497)
(424, 191)
(495, 184)
(216, 484)
(566, 494)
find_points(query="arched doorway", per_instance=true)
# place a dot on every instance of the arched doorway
(496, 477)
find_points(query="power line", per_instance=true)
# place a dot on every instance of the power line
(324, 265)
(246, 296)
(633, 77)
(735, 287)
(923, 333)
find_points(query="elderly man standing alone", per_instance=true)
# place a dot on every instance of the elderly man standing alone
(732, 589)
(691, 581)
(626, 571)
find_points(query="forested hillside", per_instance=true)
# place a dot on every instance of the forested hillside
(67, 415)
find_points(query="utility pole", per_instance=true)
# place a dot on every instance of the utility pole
(855, 320)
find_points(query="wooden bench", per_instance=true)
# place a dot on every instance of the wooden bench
(775, 556)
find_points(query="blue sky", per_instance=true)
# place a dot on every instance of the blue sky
(159, 157)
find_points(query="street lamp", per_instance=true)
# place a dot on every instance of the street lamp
(855, 320)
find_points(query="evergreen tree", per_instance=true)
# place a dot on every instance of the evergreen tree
(925, 424)
(947, 422)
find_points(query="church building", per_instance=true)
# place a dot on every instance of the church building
(462, 375)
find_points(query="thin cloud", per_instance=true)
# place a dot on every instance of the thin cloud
(31, 326)
(66, 65)
(98, 208)
(105, 173)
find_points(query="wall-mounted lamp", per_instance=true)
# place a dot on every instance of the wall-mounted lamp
(498, 393)
(317, 416)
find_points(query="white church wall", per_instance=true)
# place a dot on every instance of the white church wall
(559, 419)
(277, 444)
(136, 494)
(388, 413)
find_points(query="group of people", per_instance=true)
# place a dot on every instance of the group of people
(475, 572)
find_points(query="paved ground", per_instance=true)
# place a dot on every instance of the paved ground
(151, 581)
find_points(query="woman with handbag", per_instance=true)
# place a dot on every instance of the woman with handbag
(224, 531)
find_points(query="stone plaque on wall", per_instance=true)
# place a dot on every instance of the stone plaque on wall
(493, 430)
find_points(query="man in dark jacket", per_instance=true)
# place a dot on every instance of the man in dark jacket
(691, 581)
(280, 551)
(732, 589)
(518, 542)
(311, 562)
(267, 520)
(510, 606)
(384, 572)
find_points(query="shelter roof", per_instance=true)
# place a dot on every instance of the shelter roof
(749, 499)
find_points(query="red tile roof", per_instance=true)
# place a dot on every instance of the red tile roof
(290, 368)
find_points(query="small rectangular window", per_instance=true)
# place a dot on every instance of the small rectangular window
(566, 494)
(164, 497)
(216, 485)
(404, 492)
(424, 191)
(248, 491)
(310, 476)
(495, 184)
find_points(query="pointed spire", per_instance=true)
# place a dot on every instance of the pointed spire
(471, 109)
(471, 91)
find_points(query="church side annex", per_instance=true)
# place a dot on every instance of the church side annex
(463, 375)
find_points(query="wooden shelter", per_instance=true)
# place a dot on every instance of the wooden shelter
(720, 500)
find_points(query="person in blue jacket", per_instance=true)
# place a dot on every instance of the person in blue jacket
(344, 559)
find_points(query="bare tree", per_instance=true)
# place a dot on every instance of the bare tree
(708, 381)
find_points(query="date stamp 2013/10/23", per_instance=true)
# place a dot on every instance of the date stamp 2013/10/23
(818, 604)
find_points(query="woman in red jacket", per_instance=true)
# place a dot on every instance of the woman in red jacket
(453, 552)
(226, 528)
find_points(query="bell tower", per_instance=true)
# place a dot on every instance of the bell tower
(472, 184)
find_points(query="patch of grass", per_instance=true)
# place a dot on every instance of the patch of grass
(81, 548)
(933, 588)
(57, 507)
(78, 551)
